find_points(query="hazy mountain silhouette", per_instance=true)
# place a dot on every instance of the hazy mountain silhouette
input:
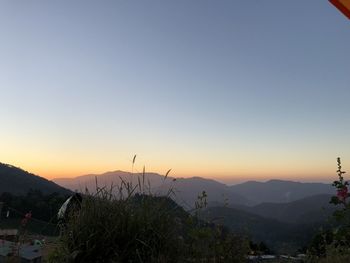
(307, 210)
(279, 191)
(14, 180)
(108, 179)
(186, 190)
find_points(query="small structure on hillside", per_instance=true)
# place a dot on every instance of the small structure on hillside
(5, 250)
(261, 258)
(8, 234)
(30, 253)
(27, 253)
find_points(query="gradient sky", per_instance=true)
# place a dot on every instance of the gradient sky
(229, 89)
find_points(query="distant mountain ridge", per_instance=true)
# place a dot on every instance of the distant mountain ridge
(108, 179)
(283, 214)
(279, 191)
(311, 209)
(15, 180)
(187, 189)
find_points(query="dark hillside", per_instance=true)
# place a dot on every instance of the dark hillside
(17, 181)
(307, 210)
(280, 236)
(280, 191)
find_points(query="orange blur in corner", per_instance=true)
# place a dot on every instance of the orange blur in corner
(343, 6)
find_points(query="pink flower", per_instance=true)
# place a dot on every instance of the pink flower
(26, 218)
(342, 194)
(28, 215)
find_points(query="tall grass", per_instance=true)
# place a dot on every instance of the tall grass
(133, 225)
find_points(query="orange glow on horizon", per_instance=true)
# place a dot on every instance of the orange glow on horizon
(242, 169)
(225, 177)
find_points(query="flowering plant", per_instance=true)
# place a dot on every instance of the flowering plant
(341, 238)
(26, 218)
(335, 242)
(342, 188)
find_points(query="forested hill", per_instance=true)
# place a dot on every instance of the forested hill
(14, 180)
(281, 237)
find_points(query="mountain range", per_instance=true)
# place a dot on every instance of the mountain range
(279, 191)
(285, 201)
(284, 214)
(187, 190)
(310, 209)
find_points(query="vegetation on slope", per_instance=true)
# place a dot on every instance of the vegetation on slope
(17, 181)
(281, 237)
(42, 207)
(313, 209)
(333, 245)
(143, 228)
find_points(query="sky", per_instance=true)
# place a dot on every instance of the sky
(233, 90)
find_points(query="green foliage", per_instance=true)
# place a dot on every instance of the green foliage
(281, 237)
(207, 241)
(143, 228)
(107, 230)
(43, 207)
(333, 245)
(259, 248)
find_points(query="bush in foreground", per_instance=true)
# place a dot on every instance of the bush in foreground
(334, 245)
(143, 228)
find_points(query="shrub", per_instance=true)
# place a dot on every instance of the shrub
(142, 228)
(334, 245)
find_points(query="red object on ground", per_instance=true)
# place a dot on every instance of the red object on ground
(343, 6)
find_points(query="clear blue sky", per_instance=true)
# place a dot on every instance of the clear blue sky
(224, 89)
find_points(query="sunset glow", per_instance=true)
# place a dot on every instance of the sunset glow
(229, 90)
